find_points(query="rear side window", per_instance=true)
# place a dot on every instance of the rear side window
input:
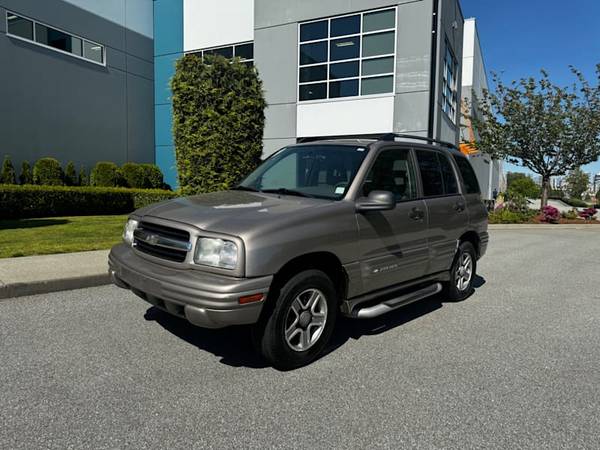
(450, 183)
(468, 175)
(431, 173)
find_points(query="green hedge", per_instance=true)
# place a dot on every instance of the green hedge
(18, 202)
(573, 202)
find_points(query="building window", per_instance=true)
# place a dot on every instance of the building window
(347, 56)
(53, 38)
(243, 51)
(450, 84)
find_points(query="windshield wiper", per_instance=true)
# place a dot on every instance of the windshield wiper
(244, 188)
(285, 191)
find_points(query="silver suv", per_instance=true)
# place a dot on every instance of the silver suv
(352, 227)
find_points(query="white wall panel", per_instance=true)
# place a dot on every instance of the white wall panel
(346, 117)
(211, 23)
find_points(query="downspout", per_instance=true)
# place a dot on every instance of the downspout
(433, 67)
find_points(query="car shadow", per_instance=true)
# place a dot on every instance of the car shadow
(234, 348)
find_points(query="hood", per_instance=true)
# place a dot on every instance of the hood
(231, 212)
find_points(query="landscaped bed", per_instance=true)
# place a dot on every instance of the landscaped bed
(26, 237)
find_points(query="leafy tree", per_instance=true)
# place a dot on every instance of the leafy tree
(546, 128)
(47, 171)
(8, 175)
(71, 174)
(577, 182)
(218, 122)
(522, 184)
(26, 176)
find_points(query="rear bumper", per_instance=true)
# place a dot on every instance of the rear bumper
(484, 238)
(206, 300)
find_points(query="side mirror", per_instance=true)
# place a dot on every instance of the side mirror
(377, 201)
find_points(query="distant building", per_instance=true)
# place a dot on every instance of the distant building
(490, 173)
(596, 183)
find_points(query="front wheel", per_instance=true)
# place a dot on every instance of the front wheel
(462, 273)
(301, 323)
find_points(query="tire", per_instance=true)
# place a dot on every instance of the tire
(306, 308)
(458, 288)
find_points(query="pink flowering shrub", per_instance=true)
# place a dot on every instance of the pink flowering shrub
(588, 213)
(550, 214)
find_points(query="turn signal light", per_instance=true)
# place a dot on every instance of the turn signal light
(251, 298)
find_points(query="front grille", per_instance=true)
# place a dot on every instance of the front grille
(162, 242)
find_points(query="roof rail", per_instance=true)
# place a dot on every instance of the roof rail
(390, 137)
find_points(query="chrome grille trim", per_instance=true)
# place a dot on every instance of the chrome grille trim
(158, 240)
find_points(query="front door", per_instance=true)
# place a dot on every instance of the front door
(448, 215)
(393, 244)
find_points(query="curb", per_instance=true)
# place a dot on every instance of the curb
(12, 290)
(543, 227)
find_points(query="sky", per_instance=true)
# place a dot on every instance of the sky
(520, 37)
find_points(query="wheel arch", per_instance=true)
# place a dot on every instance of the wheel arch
(473, 238)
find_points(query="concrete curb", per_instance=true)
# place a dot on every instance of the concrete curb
(544, 227)
(46, 286)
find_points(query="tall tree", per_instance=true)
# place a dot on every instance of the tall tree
(578, 182)
(536, 124)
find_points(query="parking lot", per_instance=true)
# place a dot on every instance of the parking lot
(515, 365)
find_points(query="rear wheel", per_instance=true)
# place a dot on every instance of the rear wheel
(462, 273)
(301, 323)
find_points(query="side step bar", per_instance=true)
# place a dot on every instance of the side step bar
(395, 303)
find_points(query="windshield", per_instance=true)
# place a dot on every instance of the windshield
(320, 171)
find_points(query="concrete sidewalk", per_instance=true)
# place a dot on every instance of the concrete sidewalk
(31, 275)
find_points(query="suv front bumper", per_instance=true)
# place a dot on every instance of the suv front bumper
(205, 300)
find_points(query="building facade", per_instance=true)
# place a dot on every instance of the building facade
(77, 80)
(330, 68)
(490, 172)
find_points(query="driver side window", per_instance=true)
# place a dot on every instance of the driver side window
(392, 171)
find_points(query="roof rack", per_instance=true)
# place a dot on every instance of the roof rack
(391, 137)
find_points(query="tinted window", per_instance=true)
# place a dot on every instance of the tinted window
(313, 31)
(313, 91)
(346, 88)
(323, 171)
(346, 48)
(431, 173)
(379, 20)
(393, 172)
(313, 53)
(343, 70)
(377, 85)
(379, 44)
(450, 183)
(468, 175)
(58, 39)
(19, 26)
(93, 51)
(345, 26)
(245, 51)
(313, 73)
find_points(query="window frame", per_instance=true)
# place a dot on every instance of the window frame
(233, 46)
(445, 85)
(52, 27)
(328, 62)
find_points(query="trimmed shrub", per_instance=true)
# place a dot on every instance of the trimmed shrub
(8, 174)
(153, 177)
(588, 213)
(18, 202)
(70, 174)
(570, 215)
(575, 202)
(133, 175)
(26, 176)
(505, 215)
(218, 122)
(83, 179)
(48, 172)
(105, 174)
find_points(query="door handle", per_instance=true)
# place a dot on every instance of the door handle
(459, 206)
(416, 214)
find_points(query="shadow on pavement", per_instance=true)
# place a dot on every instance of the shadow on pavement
(233, 345)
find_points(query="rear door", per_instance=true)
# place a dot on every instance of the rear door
(446, 207)
(393, 244)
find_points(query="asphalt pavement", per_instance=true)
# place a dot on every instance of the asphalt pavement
(517, 365)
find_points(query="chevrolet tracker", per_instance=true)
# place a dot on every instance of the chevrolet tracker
(351, 227)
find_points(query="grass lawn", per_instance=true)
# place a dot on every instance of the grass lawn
(27, 237)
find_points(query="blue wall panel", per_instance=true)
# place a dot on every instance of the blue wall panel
(168, 47)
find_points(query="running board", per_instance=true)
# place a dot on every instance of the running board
(395, 303)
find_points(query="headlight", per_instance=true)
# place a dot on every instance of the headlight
(130, 227)
(216, 253)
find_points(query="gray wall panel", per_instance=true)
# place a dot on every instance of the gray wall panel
(57, 105)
